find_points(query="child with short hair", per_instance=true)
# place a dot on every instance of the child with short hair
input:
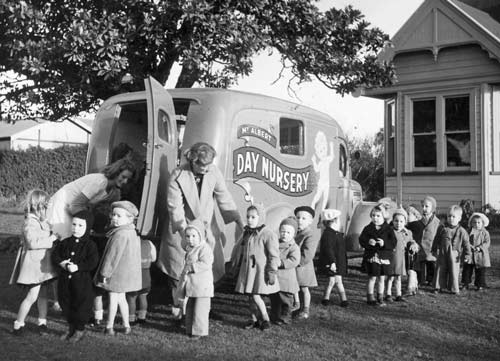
(33, 268)
(282, 301)
(333, 255)
(256, 255)
(196, 282)
(307, 244)
(404, 240)
(120, 268)
(77, 257)
(148, 256)
(411, 253)
(378, 241)
(480, 242)
(451, 241)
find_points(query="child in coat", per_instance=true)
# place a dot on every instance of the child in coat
(480, 242)
(256, 255)
(33, 268)
(451, 241)
(379, 241)
(148, 255)
(333, 255)
(307, 244)
(120, 268)
(196, 282)
(77, 257)
(411, 253)
(404, 240)
(282, 301)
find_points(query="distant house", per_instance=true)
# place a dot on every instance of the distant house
(48, 135)
(442, 116)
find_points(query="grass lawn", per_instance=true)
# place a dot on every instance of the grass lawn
(427, 327)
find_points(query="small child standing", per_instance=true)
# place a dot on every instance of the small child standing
(307, 244)
(411, 253)
(282, 301)
(196, 282)
(333, 255)
(33, 268)
(148, 256)
(480, 242)
(404, 240)
(379, 241)
(256, 256)
(450, 242)
(120, 268)
(77, 257)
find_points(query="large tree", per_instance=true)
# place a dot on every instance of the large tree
(67, 55)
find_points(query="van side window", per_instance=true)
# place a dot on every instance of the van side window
(291, 136)
(342, 161)
(164, 126)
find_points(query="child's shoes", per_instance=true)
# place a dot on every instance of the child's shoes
(109, 331)
(127, 330)
(325, 302)
(344, 303)
(399, 299)
(43, 330)
(388, 299)
(251, 324)
(265, 325)
(18, 331)
(78, 335)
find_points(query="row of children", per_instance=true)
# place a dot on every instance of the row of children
(80, 271)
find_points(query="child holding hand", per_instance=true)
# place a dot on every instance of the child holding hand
(480, 243)
(379, 241)
(197, 282)
(333, 255)
(120, 268)
(33, 268)
(76, 257)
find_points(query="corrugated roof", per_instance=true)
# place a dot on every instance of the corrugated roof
(9, 129)
(483, 19)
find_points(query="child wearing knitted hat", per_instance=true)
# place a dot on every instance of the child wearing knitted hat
(197, 281)
(256, 257)
(120, 268)
(282, 301)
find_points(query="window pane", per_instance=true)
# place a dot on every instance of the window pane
(424, 116)
(425, 151)
(390, 155)
(458, 150)
(163, 126)
(391, 118)
(291, 136)
(457, 113)
(342, 161)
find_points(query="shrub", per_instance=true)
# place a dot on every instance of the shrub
(47, 169)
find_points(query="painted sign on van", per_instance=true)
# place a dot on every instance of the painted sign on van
(255, 163)
(249, 130)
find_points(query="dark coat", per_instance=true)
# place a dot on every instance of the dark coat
(75, 290)
(332, 249)
(386, 233)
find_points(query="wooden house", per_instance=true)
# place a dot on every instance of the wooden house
(442, 115)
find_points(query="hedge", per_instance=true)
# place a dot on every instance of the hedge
(47, 169)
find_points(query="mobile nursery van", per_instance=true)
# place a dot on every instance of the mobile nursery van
(270, 151)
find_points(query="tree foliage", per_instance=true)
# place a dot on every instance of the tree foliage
(70, 54)
(368, 164)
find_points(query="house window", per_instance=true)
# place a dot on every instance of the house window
(441, 131)
(291, 136)
(391, 136)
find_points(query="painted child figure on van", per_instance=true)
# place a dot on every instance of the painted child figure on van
(480, 243)
(282, 301)
(196, 283)
(411, 253)
(333, 255)
(379, 241)
(307, 244)
(33, 268)
(450, 242)
(424, 231)
(77, 257)
(120, 269)
(404, 239)
(321, 164)
(256, 255)
(148, 256)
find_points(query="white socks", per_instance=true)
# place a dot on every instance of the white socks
(98, 315)
(18, 325)
(42, 321)
(141, 314)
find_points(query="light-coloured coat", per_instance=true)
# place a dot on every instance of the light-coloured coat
(33, 263)
(480, 245)
(305, 270)
(290, 259)
(121, 261)
(197, 277)
(184, 205)
(404, 237)
(259, 256)
(427, 240)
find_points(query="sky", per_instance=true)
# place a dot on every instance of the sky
(358, 117)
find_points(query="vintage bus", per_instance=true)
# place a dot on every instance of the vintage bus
(270, 151)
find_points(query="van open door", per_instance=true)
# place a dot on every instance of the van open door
(161, 157)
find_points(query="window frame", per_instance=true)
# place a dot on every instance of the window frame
(390, 125)
(441, 143)
(302, 137)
